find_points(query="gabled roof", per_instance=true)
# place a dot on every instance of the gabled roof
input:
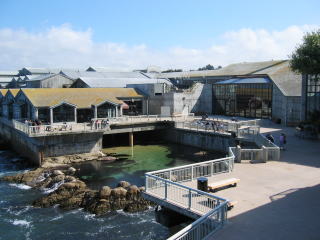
(235, 69)
(37, 71)
(3, 92)
(90, 74)
(81, 97)
(9, 73)
(118, 82)
(289, 82)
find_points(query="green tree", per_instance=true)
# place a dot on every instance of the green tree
(306, 57)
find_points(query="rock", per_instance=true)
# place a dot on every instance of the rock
(105, 192)
(69, 179)
(107, 158)
(71, 171)
(119, 192)
(133, 189)
(57, 172)
(73, 185)
(124, 184)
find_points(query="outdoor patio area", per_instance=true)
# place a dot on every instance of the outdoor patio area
(277, 199)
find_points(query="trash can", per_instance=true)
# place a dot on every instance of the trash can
(203, 184)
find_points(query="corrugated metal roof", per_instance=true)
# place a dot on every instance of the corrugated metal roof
(245, 80)
(81, 97)
(7, 73)
(244, 68)
(87, 74)
(119, 82)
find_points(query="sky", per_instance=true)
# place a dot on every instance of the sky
(136, 34)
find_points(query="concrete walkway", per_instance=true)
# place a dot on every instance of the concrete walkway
(276, 200)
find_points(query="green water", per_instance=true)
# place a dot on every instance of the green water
(135, 161)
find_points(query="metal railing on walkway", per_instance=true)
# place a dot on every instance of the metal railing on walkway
(95, 125)
(168, 186)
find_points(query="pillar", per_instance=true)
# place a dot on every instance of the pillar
(95, 115)
(51, 116)
(264, 154)
(36, 114)
(131, 139)
(75, 114)
(121, 111)
(116, 111)
(238, 154)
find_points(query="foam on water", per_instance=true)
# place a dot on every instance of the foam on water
(24, 223)
(53, 188)
(20, 186)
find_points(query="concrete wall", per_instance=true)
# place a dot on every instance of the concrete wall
(286, 108)
(60, 145)
(208, 141)
(197, 99)
(23, 145)
(34, 148)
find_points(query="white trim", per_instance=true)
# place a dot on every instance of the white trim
(63, 102)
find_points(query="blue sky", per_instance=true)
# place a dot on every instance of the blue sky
(160, 26)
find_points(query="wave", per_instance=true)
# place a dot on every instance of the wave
(21, 223)
(56, 218)
(20, 186)
(53, 188)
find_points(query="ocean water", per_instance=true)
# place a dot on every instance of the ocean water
(19, 220)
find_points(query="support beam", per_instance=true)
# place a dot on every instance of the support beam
(51, 116)
(131, 139)
(95, 115)
(75, 114)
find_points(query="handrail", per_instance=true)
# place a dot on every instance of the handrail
(190, 165)
(197, 222)
(161, 185)
(186, 187)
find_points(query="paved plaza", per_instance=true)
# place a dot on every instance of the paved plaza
(279, 199)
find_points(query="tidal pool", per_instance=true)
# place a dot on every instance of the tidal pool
(134, 161)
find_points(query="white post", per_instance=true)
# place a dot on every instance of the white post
(75, 115)
(35, 113)
(95, 112)
(238, 154)
(264, 154)
(51, 116)
(116, 111)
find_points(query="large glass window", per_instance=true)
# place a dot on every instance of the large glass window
(313, 95)
(63, 113)
(106, 110)
(245, 100)
(44, 115)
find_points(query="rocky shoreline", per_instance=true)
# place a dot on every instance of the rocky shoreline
(64, 189)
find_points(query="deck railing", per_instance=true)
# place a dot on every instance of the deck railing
(205, 226)
(167, 185)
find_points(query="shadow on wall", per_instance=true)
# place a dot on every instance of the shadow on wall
(292, 214)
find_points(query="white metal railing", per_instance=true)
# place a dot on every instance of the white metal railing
(167, 185)
(205, 226)
(97, 124)
(145, 118)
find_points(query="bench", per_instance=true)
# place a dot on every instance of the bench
(213, 187)
(231, 204)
